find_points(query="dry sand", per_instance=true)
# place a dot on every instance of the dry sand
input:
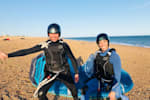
(14, 72)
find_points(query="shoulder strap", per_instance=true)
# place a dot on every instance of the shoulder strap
(44, 44)
(97, 52)
(110, 51)
(61, 40)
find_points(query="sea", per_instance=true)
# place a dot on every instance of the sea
(139, 41)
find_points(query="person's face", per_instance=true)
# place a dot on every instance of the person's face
(103, 45)
(53, 36)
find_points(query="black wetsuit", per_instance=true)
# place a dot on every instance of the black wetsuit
(64, 76)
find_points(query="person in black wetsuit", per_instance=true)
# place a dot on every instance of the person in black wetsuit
(56, 52)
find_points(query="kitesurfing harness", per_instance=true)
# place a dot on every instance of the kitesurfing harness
(104, 70)
(56, 57)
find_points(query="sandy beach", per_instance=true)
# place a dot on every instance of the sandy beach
(14, 72)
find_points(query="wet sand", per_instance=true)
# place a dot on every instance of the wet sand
(14, 72)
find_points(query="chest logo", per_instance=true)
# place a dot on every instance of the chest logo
(105, 58)
(60, 47)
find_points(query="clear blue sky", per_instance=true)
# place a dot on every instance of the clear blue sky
(76, 17)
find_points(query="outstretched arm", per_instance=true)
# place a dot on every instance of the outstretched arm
(22, 52)
(25, 51)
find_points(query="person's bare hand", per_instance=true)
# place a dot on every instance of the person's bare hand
(112, 95)
(3, 56)
(76, 77)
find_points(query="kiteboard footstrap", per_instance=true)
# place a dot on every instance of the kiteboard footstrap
(44, 82)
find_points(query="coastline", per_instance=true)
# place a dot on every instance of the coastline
(132, 40)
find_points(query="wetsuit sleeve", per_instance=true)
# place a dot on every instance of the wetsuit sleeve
(25, 51)
(89, 66)
(72, 58)
(115, 59)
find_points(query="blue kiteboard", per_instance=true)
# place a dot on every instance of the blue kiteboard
(37, 75)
